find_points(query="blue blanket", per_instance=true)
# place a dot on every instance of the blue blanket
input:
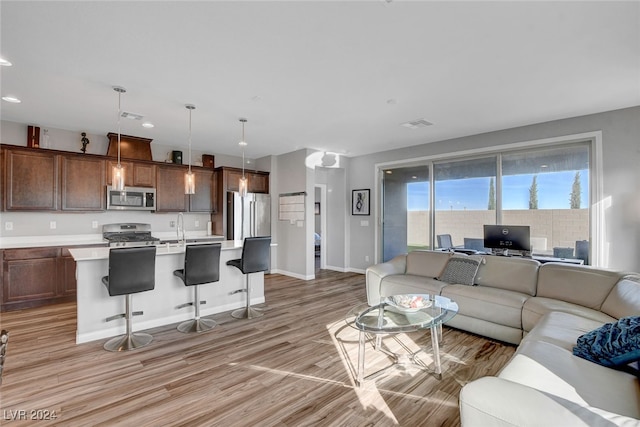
(612, 344)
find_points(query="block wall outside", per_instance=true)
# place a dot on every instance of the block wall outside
(561, 227)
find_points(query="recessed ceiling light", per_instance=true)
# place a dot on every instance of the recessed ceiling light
(147, 125)
(5, 63)
(12, 99)
(388, 172)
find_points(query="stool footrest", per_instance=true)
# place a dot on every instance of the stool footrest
(186, 304)
(137, 313)
(116, 316)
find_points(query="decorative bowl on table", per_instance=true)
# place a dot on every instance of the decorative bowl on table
(409, 303)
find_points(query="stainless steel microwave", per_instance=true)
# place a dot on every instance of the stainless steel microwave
(133, 199)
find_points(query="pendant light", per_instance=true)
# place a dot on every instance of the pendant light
(117, 173)
(243, 184)
(189, 178)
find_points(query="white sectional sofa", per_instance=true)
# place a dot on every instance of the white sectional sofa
(543, 308)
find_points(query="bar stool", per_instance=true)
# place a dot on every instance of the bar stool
(255, 258)
(131, 270)
(201, 265)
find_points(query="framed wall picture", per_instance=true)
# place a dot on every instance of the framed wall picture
(360, 202)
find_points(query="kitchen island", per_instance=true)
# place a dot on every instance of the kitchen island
(94, 304)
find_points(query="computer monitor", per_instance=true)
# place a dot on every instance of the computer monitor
(511, 237)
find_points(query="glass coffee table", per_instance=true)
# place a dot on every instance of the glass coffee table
(389, 318)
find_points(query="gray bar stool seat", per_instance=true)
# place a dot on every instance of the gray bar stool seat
(131, 270)
(201, 265)
(255, 258)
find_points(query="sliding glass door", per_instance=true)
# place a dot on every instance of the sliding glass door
(548, 190)
(405, 210)
(445, 203)
(465, 200)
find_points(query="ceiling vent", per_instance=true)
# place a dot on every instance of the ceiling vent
(417, 124)
(131, 116)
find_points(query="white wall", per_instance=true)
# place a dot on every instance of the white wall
(621, 177)
(335, 212)
(295, 241)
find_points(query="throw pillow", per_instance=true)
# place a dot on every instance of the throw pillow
(460, 270)
(613, 344)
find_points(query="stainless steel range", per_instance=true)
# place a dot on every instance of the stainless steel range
(128, 234)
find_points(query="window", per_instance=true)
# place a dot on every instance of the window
(548, 190)
(465, 200)
(546, 187)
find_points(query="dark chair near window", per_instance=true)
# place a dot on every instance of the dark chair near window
(201, 265)
(582, 250)
(444, 241)
(255, 258)
(563, 252)
(131, 270)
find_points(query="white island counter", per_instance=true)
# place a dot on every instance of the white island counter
(94, 304)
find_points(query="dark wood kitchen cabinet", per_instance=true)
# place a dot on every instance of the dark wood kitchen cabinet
(136, 174)
(258, 181)
(31, 180)
(203, 199)
(33, 277)
(83, 183)
(170, 195)
(30, 277)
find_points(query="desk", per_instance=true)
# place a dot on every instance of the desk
(544, 259)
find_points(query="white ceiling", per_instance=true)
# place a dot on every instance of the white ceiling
(333, 76)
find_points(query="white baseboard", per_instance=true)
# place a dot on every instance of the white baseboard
(294, 275)
(355, 270)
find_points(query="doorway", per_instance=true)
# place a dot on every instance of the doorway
(320, 235)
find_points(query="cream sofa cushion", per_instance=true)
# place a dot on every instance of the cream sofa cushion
(577, 284)
(426, 263)
(493, 305)
(514, 274)
(410, 284)
(536, 307)
(624, 298)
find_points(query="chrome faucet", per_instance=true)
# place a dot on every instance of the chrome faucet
(180, 227)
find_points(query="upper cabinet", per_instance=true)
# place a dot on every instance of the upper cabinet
(202, 200)
(258, 182)
(83, 183)
(31, 180)
(136, 174)
(170, 195)
(49, 180)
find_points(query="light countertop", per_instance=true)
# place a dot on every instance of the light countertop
(90, 254)
(90, 239)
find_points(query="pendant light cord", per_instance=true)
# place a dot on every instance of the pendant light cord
(119, 114)
(190, 140)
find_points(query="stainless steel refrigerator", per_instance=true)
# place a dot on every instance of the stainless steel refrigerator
(248, 216)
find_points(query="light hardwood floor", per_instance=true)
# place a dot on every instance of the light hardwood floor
(292, 367)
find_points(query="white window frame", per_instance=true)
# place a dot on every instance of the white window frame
(599, 253)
